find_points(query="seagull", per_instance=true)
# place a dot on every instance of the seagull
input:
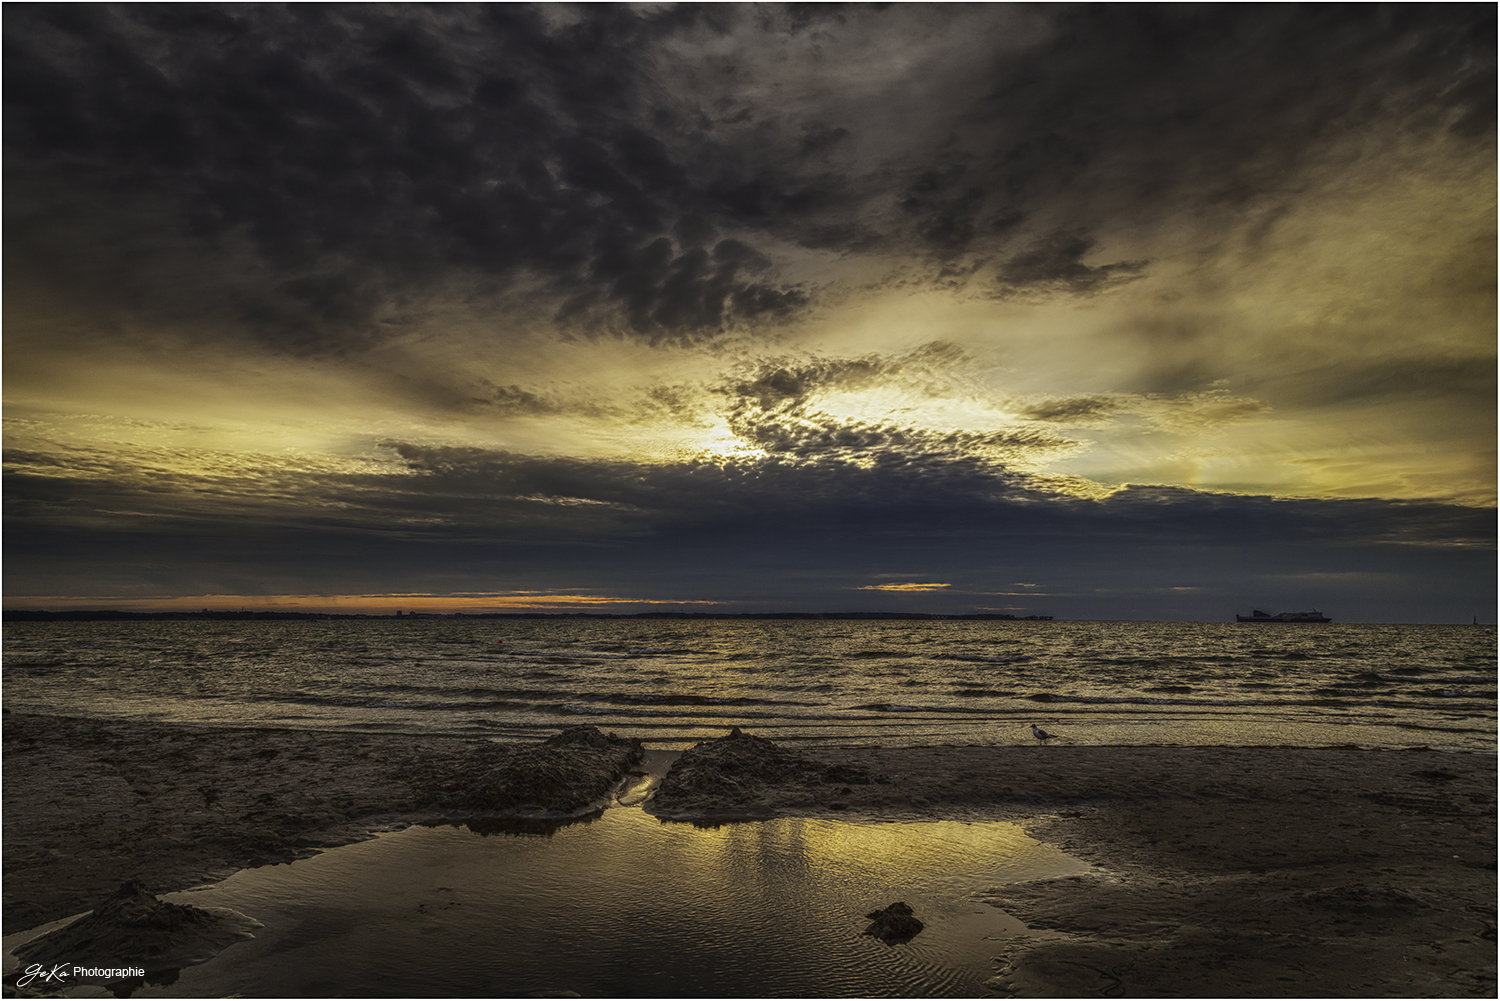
(1041, 734)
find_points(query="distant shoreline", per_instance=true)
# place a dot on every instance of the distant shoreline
(106, 615)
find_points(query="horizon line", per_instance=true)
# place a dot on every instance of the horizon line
(105, 614)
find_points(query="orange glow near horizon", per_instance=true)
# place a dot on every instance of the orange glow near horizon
(347, 604)
(903, 587)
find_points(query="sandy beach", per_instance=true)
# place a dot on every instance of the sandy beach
(1275, 871)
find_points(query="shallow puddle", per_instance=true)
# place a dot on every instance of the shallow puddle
(623, 906)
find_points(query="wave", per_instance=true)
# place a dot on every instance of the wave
(1138, 700)
(902, 707)
(974, 658)
(1450, 679)
(731, 715)
(573, 710)
(674, 699)
(928, 682)
(527, 702)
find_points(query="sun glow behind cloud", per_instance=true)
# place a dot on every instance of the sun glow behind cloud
(684, 294)
(903, 587)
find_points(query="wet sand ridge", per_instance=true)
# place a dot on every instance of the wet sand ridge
(1247, 871)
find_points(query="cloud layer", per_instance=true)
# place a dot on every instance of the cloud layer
(353, 293)
(631, 168)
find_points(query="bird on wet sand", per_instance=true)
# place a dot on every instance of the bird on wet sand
(1041, 734)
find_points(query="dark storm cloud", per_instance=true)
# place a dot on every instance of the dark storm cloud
(1231, 99)
(1072, 410)
(788, 385)
(949, 216)
(1055, 265)
(360, 151)
(452, 493)
(626, 165)
(441, 500)
(1121, 113)
(683, 405)
(819, 438)
(702, 495)
(929, 493)
(514, 399)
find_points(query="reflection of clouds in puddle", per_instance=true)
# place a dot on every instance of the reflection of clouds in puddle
(623, 903)
(517, 827)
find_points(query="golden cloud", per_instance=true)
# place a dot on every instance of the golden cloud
(902, 587)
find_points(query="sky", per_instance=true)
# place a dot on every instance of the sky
(1109, 311)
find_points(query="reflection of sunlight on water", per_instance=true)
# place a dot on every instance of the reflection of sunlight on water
(626, 905)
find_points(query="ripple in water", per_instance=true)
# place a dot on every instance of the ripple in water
(625, 905)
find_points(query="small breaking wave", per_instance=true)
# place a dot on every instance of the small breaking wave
(1136, 700)
(676, 699)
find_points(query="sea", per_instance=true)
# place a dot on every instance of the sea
(802, 682)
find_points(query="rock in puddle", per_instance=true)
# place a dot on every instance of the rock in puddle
(895, 924)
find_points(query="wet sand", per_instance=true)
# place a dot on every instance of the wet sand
(1259, 872)
(88, 804)
(1219, 871)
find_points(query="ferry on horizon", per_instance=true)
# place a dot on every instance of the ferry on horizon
(1256, 615)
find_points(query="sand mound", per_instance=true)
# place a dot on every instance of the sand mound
(573, 771)
(132, 928)
(746, 775)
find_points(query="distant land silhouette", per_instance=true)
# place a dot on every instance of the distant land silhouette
(105, 615)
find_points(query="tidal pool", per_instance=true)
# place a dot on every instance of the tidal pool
(625, 905)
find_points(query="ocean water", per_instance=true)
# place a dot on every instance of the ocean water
(804, 682)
